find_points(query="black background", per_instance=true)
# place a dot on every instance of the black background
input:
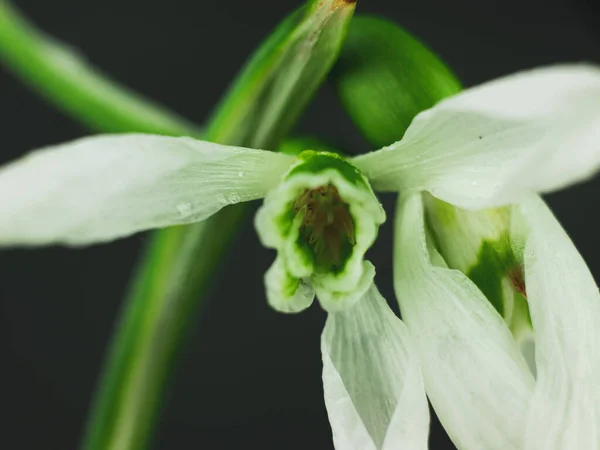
(249, 376)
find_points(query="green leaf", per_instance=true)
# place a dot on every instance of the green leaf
(385, 77)
(282, 75)
(60, 74)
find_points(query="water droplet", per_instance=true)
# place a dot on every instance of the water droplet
(241, 174)
(474, 183)
(184, 208)
(234, 198)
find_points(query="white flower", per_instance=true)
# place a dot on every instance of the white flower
(499, 144)
(493, 145)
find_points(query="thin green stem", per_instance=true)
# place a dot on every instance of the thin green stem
(154, 323)
(60, 74)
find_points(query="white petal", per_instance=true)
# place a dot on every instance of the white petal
(565, 310)
(105, 187)
(535, 131)
(286, 293)
(371, 379)
(475, 376)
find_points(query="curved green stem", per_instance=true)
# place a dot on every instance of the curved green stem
(156, 318)
(60, 74)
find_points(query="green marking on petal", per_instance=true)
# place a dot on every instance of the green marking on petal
(478, 243)
(446, 213)
(520, 323)
(494, 261)
(315, 162)
(287, 293)
(322, 219)
(290, 285)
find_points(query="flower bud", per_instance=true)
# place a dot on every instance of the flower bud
(321, 219)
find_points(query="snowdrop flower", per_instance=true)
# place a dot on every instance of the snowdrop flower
(490, 146)
(486, 153)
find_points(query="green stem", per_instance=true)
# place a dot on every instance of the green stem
(60, 74)
(142, 356)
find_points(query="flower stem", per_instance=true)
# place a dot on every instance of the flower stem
(60, 74)
(153, 326)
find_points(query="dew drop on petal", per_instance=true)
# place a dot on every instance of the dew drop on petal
(241, 174)
(234, 198)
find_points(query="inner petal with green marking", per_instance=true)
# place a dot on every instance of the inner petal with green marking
(321, 220)
(478, 243)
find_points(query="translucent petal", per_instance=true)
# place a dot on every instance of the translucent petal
(371, 379)
(105, 187)
(565, 310)
(534, 131)
(474, 374)
(286, 293)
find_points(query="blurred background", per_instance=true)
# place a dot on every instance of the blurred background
(249, 376)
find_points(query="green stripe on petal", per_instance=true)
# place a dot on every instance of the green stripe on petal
(332, 300)
(312, 162)
(322, 219)
(460, 233)
(478, 244)
(477, 380)
(286, 293)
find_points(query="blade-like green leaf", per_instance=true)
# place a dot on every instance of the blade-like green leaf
(59, 73)
(385, 77)
(282, 75)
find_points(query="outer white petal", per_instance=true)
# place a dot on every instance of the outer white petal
(104, 187)
(474, 374)
(565, 310)
(535, 131)
(371, 379)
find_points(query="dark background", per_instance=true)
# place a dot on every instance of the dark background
(249, 376)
